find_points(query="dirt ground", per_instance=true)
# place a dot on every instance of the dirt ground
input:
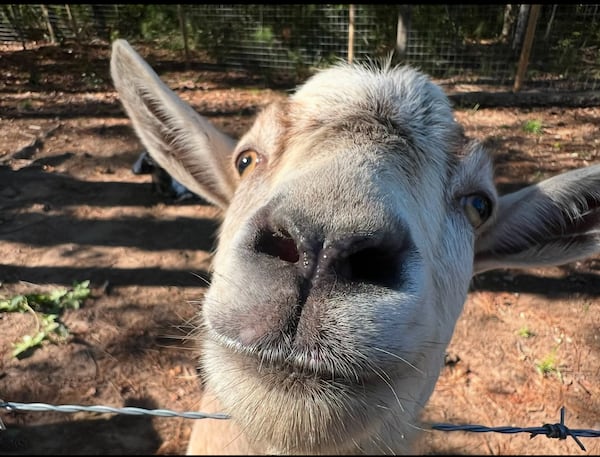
(71, 209)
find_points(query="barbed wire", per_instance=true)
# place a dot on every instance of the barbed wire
(12, 406)
(558, 430)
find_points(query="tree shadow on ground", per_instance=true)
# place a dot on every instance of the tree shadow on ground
(572, 283)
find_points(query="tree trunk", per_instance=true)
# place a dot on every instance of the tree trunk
(521, 26)
(527, 44)
(48, 23)
(507, 24)
(72, 22)
(403, 29)
(550, 21)
(184, 35)
(350, 33)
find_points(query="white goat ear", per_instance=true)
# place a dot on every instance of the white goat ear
(550, 223)
(181, 141)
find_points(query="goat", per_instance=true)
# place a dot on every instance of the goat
(355, 214)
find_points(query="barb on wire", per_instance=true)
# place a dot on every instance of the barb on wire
(11, 406)
(559, 430)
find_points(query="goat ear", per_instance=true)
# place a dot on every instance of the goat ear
(550, 223)
(181, 141)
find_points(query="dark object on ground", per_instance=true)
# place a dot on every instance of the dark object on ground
(162, 182)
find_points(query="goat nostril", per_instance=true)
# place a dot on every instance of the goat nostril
(374, 265)
(278, 244)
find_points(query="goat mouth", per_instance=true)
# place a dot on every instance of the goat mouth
(345, 398)
(308, 366)
(308, 370)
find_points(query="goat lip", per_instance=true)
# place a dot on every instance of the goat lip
(310, 367)
(295, 365)
(306, 368)
(288, 372)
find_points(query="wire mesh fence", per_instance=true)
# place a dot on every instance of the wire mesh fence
(474, 42)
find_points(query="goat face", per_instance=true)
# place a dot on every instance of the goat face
(343, 261)
(355, 215)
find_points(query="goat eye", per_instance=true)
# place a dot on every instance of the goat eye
(246, 162)
(478, 209)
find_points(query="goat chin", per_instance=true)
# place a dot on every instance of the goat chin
(355, 214)
(216, 437)
(228, 437)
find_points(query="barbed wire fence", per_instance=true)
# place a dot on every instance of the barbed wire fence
(467, 43)
(557, 430)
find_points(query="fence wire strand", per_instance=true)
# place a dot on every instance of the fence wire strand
(130, 410)
(558, 430)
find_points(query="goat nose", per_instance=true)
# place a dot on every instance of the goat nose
(296, 250)
(278, 244)
(372, 258)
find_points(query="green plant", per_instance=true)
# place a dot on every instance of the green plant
(586, 306)
(26, 104)
(46, 309)
(533, 126)
(263, 34)
(525, 332)
(549, 365)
